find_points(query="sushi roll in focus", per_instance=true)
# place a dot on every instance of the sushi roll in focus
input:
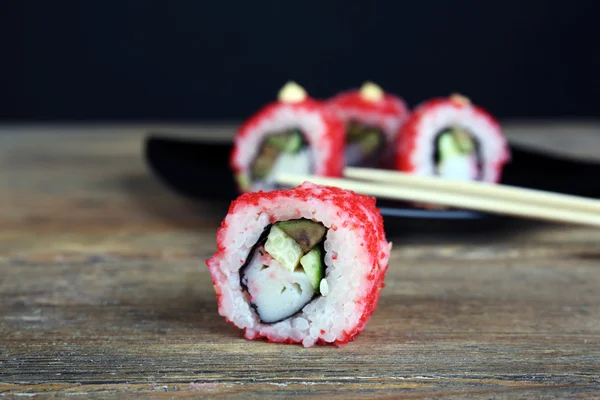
(372, 119)
(294, 134)
(303, 265)
(454, 139)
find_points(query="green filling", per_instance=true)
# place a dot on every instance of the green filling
(243, 181)
(370, 142)
(464, 141)
(272, 147)
(455, 142)
(297, 243)
(368, 138)
(283, 248)
(264, 162)
(288, 142)
(312, 263)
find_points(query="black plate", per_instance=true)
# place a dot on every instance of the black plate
(200, 170)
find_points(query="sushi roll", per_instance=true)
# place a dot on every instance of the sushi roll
(294, 134)
(372, 119)
(454, 139)
(302, 265)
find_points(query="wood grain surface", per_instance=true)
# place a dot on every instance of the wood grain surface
(104, 293)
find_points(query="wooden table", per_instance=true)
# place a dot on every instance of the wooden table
(103, 290)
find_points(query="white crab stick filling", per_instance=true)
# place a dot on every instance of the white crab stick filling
(454, 163)
(276, 292)
(459, 167)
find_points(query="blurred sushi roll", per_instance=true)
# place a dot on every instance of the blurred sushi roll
(295, 134)
(454, 139)
(302, 265)
(372, 119)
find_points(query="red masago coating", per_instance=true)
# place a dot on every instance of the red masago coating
(364, 216)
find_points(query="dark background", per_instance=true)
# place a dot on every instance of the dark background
(210, 60)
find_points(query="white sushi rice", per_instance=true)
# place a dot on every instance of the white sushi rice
(324, 287)
(491, 142)
(347, 266)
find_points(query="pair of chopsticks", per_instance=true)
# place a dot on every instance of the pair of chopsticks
(478, 196)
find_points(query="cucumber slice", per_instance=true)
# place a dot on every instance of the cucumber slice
(283, 248)
(312, 263)
(289, 142)
(464, 141)
(447, 146)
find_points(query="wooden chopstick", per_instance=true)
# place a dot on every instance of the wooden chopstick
(553, 210)
(482, 189)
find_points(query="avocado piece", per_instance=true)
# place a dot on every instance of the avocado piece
(289, 142)
(306, 233)
(273, 146)
(455, 142)
(370, 142)
(367, 137)
(312, 263)
(283, 248)
(264, 161)
(294, 143)
(464, 141)
(278, 141)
